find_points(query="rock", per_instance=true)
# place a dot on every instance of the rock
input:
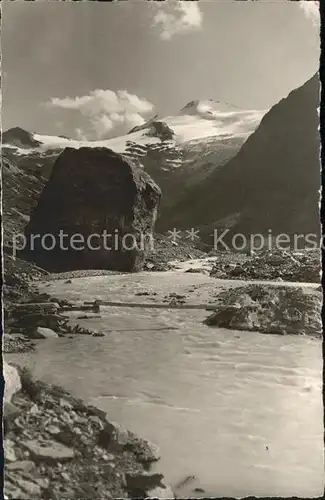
(48, 451)
(27, 486)
(273, 265)
(269, 309)
(68, 463)
(96, 421)
(198, 490)
(89, 316)
(161, 130)
(19, 137)
(13, 491)
(77, 431)
(42, 332)
(222, 316)
(12, 381)
(65, 476)
(54, 430)
(43, 482)
(97, 334)
(109, 193)
(185, 482)
(145, 451)
(108, 457)
(9, 450)
(142, 482)
(237, 271)
(65, 404)
(114, 435)
(155, 128)
(10, 412)
(68, 437)
(37, 307)
(31, 321)
(161, 493)
(21, 465)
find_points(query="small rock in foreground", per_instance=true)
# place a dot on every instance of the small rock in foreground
(48, 451)
(12, 381)
(42, 332)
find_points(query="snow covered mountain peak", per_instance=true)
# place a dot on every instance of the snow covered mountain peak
(198, 120)
(207, 108)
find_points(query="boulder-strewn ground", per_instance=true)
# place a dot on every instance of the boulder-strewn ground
(56, 447)
(29, 314)
(269, 309)
(164, 250)
(273, 265)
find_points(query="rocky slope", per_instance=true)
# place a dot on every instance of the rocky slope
(20, 138)
(22, 187)
(272, 183)
(58, 447)
(92, 190)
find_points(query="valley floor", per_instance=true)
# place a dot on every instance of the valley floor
(142, 371)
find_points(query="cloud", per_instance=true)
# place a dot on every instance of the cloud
(80, 135)
(107, 112)
(311, 10)
(174, 17)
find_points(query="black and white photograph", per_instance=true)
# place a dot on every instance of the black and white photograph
(161, 244)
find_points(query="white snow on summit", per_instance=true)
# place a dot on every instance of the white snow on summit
(198, 120)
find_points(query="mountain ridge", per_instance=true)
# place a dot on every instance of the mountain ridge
(176, 151)
(265, 183)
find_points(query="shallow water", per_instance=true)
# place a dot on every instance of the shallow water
(241, 411)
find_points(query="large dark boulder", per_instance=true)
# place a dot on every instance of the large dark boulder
(91, 192)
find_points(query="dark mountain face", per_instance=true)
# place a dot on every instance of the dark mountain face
(21, 189)
(271, 184)
(20, 138)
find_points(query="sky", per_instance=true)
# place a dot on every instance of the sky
(94, 69)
